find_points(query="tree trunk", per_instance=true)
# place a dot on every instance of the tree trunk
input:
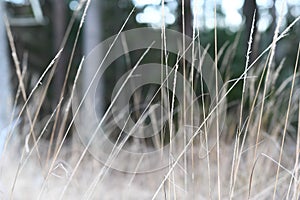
(59, 25)
(5, 92)
(188, 17)
(249, 8)
(92, 37)
(59, 17)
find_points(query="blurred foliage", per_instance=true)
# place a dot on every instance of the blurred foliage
(38, 41)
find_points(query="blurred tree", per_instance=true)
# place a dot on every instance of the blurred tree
(91, 38)
(186, 19)
(249, 8)
(59, 17)
(113, 15)
(5, 93)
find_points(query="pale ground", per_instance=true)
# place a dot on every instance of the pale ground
(119, 185)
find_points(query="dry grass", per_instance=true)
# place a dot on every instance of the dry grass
(258, 160)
